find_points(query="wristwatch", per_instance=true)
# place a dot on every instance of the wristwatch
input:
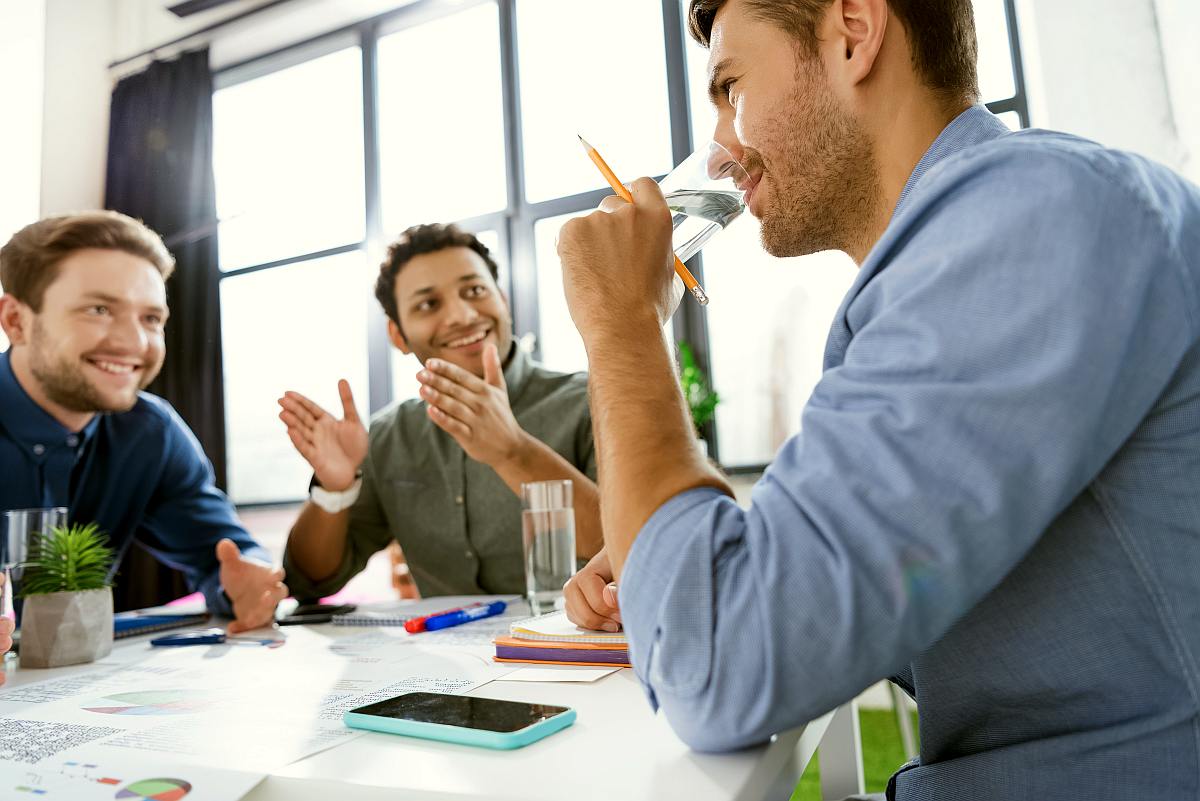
(334, 502)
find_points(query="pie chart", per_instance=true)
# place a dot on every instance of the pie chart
(155, 790)
(150, 702)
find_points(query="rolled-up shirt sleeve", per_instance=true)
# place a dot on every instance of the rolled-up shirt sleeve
(997, 363)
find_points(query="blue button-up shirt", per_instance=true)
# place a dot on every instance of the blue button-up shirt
(139, 475)
(996, 493)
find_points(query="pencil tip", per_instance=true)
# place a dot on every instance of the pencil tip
(583, 141)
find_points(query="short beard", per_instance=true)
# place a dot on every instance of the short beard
(65, 384)
(826, 187)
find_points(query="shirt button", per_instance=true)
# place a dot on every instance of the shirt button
(39, 449)
(72, 441)
(457, 499)
(469, 553)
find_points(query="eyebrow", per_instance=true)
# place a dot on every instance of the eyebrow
(115, 301)
(429, 290)
(714, 87)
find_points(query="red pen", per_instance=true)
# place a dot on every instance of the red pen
(417, 624)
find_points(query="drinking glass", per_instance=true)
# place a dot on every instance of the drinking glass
(22, 527)
(705, 194)
(548, 534)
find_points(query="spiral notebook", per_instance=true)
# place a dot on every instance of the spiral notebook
(131, 624)
(396, 613)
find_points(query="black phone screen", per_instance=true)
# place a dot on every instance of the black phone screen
(487, 714)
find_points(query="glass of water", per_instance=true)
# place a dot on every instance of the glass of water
(705, 194)
(22, 527)
(548, 532)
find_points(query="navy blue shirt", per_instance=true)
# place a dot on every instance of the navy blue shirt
(140, 475)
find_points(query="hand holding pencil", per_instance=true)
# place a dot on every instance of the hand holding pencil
(689, 280)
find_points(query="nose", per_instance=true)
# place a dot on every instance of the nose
(460, 311)
(725, 135)
(127, 334)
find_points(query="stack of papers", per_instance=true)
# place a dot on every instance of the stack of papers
(552, 639)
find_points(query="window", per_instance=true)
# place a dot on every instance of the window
(300, 327)
(574, 82)
(288, 156)
(468, 112)
(442, 141)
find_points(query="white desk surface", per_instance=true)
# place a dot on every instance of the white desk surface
(617, 749)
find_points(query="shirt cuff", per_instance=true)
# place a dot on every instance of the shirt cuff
(651, 567)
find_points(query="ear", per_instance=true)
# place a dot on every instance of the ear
(397, 338)
(16, 319)
(859, 27)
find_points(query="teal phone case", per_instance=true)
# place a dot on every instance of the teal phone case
(459, 734)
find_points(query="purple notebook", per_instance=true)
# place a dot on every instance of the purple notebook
(608, 657)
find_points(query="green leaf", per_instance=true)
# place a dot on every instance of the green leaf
(71, 558)
(701, 399)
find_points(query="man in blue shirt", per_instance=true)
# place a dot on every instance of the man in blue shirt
(84, 309)
(994, 494)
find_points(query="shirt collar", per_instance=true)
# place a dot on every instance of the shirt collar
(972, 127)
(517, 371)
(27, 422)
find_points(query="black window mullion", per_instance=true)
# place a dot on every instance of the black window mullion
(1021, 99)
(522, 266)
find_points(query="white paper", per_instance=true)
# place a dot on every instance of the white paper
(247, 708)
(73, 776)
(582, 673)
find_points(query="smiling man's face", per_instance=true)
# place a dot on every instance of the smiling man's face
(449, 308)
(98, 337)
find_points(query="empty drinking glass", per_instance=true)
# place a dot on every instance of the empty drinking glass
(548, 531)
(22, 527)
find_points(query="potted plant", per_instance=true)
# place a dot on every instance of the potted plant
(701, 399)
(67, 617)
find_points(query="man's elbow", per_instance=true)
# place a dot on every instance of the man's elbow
(709, 723)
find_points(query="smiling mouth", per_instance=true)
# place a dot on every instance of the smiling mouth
(468, 340)
(114, 368)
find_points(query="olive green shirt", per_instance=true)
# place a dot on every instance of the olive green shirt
(457, 522)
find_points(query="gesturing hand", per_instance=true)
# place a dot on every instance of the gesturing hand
(254, 589)
(473, 410)
(335, 448)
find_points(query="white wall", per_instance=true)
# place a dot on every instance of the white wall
(75, 108)
(1117, 71)
(22, 42)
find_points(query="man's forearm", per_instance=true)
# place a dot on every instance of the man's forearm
(317, 542)
(646, 447)
(537, 461)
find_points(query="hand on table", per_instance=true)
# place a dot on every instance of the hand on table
(473, 410)
(254, 589)
(591, 596)
(334, 448)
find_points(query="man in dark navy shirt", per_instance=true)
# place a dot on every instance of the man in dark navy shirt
(84, 310)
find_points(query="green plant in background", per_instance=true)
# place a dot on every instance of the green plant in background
(71, 558)
(701, 399)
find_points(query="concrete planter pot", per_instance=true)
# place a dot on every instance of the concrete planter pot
(66, 628)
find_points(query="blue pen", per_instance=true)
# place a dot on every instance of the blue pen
(460, 616)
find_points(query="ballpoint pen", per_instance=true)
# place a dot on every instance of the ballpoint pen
(683, 272)
(465, 615)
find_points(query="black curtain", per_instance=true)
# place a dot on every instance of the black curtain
(160, 171)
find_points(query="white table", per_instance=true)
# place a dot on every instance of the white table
(617, 749)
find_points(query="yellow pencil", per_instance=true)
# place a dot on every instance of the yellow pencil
(683, 272)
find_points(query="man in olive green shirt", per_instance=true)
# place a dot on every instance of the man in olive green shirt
(440, 475)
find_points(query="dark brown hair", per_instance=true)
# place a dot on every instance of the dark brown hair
(29, 262)
(941, 35)
(416, 241)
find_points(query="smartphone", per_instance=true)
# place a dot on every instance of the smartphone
(462, 719)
